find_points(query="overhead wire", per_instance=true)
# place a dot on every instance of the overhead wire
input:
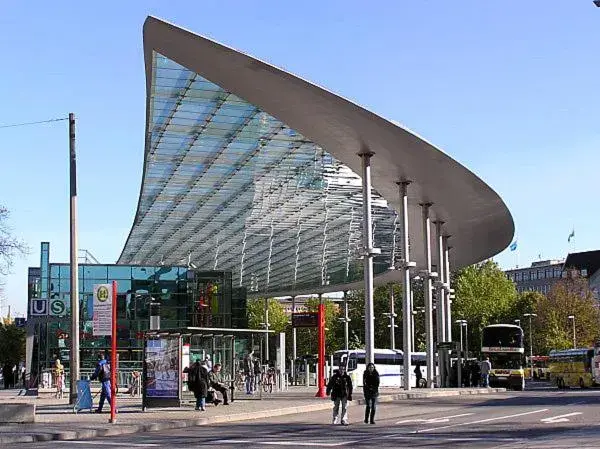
(14, 125)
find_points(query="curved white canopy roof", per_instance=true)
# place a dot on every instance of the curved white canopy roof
(187, 73)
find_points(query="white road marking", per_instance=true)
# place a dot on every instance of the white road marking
(434, 420)
(108, 443)
(288, 443)
(559, 418)
(497, 418)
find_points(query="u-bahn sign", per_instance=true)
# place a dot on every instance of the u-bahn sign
(305, 319)
(39, 307)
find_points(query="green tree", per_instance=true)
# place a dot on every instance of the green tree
(12, 344)
(255, 309)
(10, 246)
(483, 296)
(381, 306)
(307, 337)
(570, 296)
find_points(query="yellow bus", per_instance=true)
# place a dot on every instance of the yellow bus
(537, 367)
(572, 368)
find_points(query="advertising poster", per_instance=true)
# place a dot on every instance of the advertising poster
(162, 368)
(102, 310)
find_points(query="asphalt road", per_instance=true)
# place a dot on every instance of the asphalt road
(540, 417)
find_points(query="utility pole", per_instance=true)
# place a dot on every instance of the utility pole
(74, 295)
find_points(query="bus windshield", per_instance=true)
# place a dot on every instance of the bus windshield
(505, 361)
(505, 337)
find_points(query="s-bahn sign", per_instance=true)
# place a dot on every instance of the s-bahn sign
(305, 319)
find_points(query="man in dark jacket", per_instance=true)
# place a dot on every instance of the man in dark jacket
(198, 384)
(371, 391)
(340, 388)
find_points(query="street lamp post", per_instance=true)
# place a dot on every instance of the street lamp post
(461, 323)
(518, 323)
(530, 315)
(572, 317)
(466, 325)
(460, 354)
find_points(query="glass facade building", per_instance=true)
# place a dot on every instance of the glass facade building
(234, 188)
(187, 297)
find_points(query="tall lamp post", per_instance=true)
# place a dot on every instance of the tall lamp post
(530, 315)
(518, 323)
(461, 323)
(572, 317)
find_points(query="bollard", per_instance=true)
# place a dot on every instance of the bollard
(306, 373)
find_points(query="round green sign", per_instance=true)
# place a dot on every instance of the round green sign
(102, 294)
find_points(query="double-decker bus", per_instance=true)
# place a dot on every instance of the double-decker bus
(503, 344)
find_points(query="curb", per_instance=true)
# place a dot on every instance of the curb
(126, 429)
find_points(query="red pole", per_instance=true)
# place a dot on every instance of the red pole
(321, 361)
(113, 356)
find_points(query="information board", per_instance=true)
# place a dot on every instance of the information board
(102, 310)
(305, 319)
(162, 372)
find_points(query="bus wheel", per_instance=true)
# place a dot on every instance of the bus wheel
(581, 383)
(521, 386)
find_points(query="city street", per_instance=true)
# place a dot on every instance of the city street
(540, 417)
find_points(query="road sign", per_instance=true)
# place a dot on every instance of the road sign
(57, 307)
(305, 319)
(20, 322)
(102, 316)
(39, 307)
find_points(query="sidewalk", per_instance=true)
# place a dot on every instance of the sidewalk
(55, 419)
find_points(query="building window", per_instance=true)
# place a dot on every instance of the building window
(584, 272)
(533, 275)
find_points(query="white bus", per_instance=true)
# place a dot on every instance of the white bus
(389, 364)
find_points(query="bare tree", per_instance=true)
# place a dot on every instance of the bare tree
(10, 246)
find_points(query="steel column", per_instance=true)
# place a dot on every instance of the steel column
(406, 264)
(74, 292)
(428, 296)
(441, 304)
(448, 290)
(368, 252)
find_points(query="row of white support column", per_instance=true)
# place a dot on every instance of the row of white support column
(442, 285)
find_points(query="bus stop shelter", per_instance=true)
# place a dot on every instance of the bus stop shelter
(167, 352)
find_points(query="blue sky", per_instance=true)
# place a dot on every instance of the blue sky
(511, 89)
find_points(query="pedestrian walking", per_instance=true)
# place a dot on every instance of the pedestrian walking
(59, 378)
(102, 373)
(418, 374)
(248, 368)
(340, 388)
(486, 367)
(198, 384)
(370, 391)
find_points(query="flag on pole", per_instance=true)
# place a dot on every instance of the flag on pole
(571, 235)
(513, 246)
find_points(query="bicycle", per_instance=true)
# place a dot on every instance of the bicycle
(239, 383)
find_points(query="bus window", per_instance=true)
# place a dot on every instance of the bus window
(352, 363)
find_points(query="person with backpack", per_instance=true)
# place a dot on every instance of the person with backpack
(340, 388)
(198, 384)
(102, 373)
